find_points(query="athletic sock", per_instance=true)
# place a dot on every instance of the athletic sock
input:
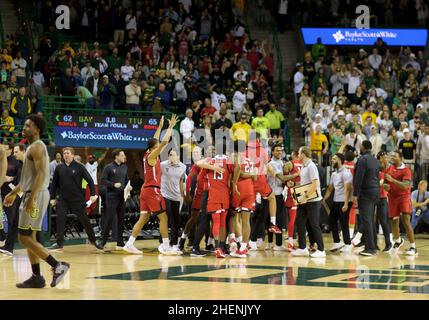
(243, 246)
(413, 245)
(398, 240)
(184, 236)
(166, 242)
(210, 241)
(232, 236)
(290, 240)
(273, 220)
(36, 269)
(51, 261)
(239, 239)
(131, 241)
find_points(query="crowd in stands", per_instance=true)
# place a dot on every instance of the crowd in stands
(153, 56)
(378, 94)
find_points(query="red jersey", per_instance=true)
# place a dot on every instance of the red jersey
(383, 192)
(218, 183)
(152, 174)
(245, 185)
(401, 174)
(351, 166)
(192, 177)
(257, 154)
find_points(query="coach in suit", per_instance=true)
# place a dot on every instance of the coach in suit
(366, 193)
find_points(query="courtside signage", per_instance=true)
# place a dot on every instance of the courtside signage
(365, 37)
(103, 131)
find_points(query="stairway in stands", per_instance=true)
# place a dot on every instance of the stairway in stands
(291, 51)
(9, 17)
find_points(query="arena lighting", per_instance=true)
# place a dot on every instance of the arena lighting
(365, 37)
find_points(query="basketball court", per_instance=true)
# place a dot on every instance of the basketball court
(264, 275)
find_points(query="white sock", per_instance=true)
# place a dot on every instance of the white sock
(358, 236)
(131, 241)
(398, 240)
(243, 246)
(291, 240)
(273, 220)
(210, 241)
(260, 240)
(239, 239)
(391, 237)
(351, 231)
(166, 242)
(413, 245)
(232, 236)
(184, 236)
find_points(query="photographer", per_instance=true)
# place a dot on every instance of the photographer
(419, 201)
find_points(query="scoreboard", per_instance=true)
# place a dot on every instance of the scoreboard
(103, 131)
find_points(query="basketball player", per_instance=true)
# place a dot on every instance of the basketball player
(398, 180)
(151, 200)
(292, 170)
(34, 184)
(3, 169)
(349, 164)
(242, 202)
(218, 171)
(382, 205)
(257, 154)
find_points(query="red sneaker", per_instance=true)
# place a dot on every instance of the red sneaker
(274, 229)
(219, 253)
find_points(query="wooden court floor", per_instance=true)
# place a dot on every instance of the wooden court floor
(264, 275)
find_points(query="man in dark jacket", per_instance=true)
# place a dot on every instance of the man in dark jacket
(20, 107)
(366, 193)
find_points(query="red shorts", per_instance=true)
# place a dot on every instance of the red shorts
(399, 206)
(261, 186)
(151, 200)
(290, 203)
(217, 205)
(243, 202)
(92, 207)
(196, 201)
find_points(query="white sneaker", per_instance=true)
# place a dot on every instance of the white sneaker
(236, 254)
(161, 248)
(346, 249)
(301, 253)
(132, 249)
(176, 249)
(318, 254)
(259, 243)
(253, 246)
(269, 246)
(411, 252)
(118, 248)
(279, 248)
(336, 246)
(356, 239)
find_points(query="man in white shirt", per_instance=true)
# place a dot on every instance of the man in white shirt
(298, 80)
(217, 99)
(127, 71)
(133, 93)
(355, 80)
(238, 100)
(18, 69)
(375, 59)
(376, 141)
(187, 126)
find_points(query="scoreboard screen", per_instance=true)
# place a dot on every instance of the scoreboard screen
(103, 131)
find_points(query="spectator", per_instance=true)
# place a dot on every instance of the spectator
(375, 59)
(20, 107)
(420, 200)
(119, 27)
(107, 94)
(240, 130)
(133, 93)
(239, 99)
(318, 50)
(68, 84)
(87, 71)
(208, 109)
(228, 113)
(85, 97)
(298, 79)
(4, 73)
(318, 143)
(261, 124)
(187, 126)
(35, 92)
(423, 154)
(408, 149)
(95, 85)
(276, 119)
(5, 95)
(376, 140)
(7, 123)
(223, 123)
(19, 65)
(163, 95)
(127, 71)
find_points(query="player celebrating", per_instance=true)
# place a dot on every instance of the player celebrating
(218, 171)
(151, 200)
(243, 201)
(399, 179)
(257, 154)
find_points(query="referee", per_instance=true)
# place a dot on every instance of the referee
(310, 209)
(115, 179)
(67, 186)
(173, 191)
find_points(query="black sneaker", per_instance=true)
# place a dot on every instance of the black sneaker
(397, 245)
(6, 251)
(34, 282)
(59, 272)
(368, 253)
(182, 244)
(56, 247)
(387, 248)
(100, 245)
(210, 248)
(197, 253)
